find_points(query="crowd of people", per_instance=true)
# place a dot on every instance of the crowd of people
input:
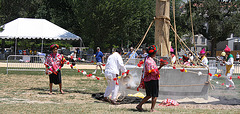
(149, 80)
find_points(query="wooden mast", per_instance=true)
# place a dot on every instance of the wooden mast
(162, 28)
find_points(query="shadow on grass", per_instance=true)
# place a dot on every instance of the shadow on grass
(65, 91)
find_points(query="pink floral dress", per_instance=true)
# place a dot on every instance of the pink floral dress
(54, 63)
(150, 72)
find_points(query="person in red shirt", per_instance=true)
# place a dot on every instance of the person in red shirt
(150, 77)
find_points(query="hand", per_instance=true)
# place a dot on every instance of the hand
(224, 62)
(163, 64)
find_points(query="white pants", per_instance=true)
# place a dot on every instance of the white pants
(112, 88)
(228, 80)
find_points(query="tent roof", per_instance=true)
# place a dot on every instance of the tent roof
(27, 28)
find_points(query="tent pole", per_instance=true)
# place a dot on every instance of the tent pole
(42, 46)
(80, 48)
(15, 48)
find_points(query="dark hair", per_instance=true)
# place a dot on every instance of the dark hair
(119, 50)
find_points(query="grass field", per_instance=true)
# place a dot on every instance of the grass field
(27, 92)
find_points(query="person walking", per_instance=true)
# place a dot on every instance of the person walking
(114, 64)
(151, 76)
(237, 57)
(229, 68)
(54, 63)
(99, 59)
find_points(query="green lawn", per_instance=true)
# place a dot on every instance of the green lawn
(27, 92)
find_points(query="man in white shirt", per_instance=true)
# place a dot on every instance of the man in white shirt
(114, 64)
(203, 58)
(229, 68)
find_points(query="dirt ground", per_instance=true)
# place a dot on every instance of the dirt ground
(33, 89)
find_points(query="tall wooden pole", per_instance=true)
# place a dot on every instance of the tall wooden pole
(161, 27)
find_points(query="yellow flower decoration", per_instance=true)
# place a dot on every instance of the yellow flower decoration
(216, 75)
(149, 71)
(119, 77)
(185, 70)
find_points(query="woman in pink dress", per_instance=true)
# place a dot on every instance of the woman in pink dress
(151, 78)
(54, 63)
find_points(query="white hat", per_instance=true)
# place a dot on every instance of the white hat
(98, 47)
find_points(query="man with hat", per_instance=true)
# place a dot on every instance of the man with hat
(203, 58)
(131, 52)
(173, 55)
(99, 59)
(229, 68)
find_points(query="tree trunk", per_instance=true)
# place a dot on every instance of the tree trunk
(213, 48)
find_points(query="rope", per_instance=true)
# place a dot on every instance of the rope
(174, 21)
(141, 41)
(190, 7)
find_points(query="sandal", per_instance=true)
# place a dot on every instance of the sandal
(114, 102)
(106, 100)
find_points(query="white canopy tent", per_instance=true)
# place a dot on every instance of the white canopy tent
(28, 28)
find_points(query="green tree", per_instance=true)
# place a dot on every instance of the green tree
(214, 20)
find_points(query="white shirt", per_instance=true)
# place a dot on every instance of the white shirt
(237, 56)
(205, 61)
(173, 59)
(114, 64)
(74, 56)
(230, 62)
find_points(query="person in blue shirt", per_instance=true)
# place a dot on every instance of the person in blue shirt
(130, 53)
(99, 59)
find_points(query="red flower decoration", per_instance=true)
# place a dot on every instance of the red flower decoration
(182, 70)
(97, 78)
(219, 75)
(117, 83)
(68, 62)
(137, 89)
(91, 61)
(153, 70)
(82, 71)
(71, 57)
(71, 65)
(238, 77)
(161, 60)
(230, 77)
(209, 74)
(87, 75)
(174, 67)
(123, 73)
(90, 75)
(151, 51)
(103, 64)
(79, 58)
(222, 84)
(78, 70)
(141, 62)
(139, 65)
(127, 72)
(230, 85)
(114, 79)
